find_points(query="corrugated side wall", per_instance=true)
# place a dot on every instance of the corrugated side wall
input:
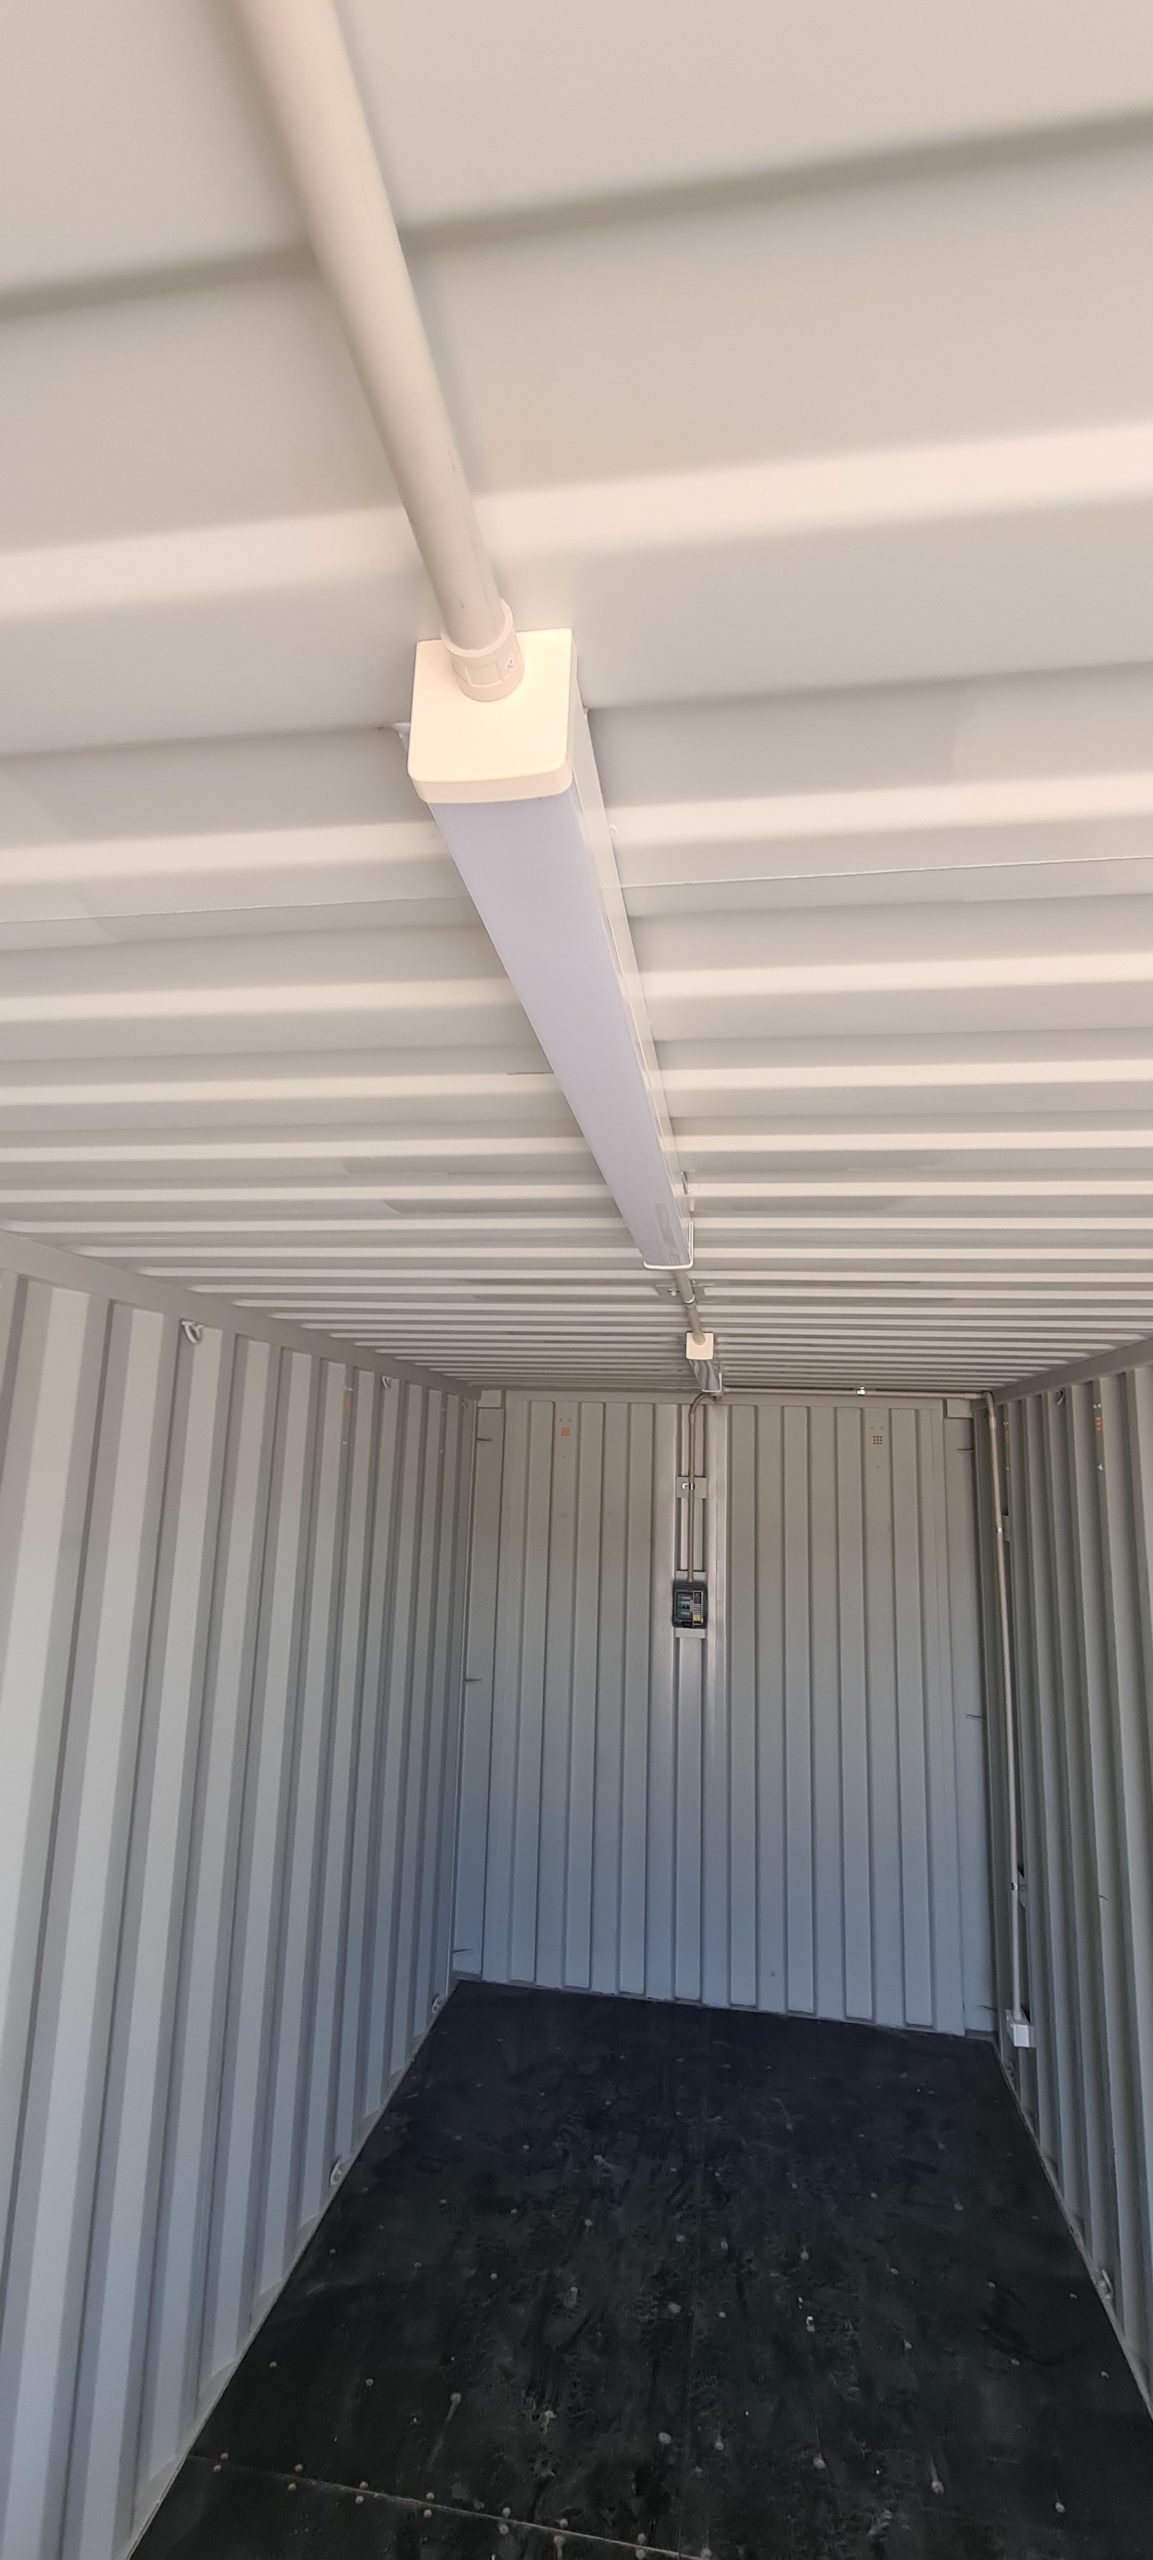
(788, 1814)
(231, 1613)
(1079, 1499)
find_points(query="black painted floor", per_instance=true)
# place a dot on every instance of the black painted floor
(709, 2282)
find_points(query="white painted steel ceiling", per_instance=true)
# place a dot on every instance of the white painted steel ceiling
(802, 359)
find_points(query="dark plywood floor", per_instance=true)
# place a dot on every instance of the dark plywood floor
(698, 2281)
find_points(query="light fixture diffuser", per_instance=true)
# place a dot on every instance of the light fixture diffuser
(514, 790)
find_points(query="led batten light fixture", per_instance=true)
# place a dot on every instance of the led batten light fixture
(513, 788)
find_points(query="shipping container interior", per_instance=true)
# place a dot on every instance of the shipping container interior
(576, 1293)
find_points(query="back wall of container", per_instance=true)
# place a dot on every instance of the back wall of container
(231, 1613)
(787, 1814)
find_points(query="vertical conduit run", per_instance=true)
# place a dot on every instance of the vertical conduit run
(1017, 2020)
(698, 1469)
(690, 1546)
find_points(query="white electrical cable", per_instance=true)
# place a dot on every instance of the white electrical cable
(299, 52)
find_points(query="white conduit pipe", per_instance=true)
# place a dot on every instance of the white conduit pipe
(699, 1340)
(307, 80)
(1016, 2014)
(688, 1298)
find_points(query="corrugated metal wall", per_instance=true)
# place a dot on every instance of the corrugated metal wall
(1079, 1500)
(231, 1614)
(789, 1814)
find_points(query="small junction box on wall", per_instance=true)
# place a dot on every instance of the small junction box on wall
(690, 1606)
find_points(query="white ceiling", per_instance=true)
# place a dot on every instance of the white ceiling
(802, 357)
